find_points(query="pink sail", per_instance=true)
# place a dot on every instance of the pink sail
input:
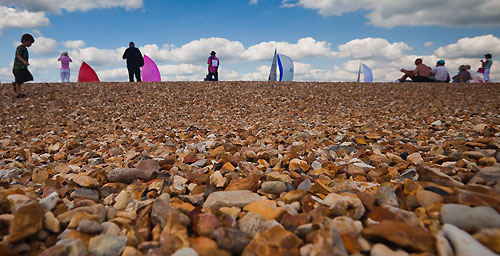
(150, 72)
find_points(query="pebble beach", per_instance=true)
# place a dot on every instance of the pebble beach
(250, 168)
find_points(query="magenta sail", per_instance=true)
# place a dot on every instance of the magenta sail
(150, 72)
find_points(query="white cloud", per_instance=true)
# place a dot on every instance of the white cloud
(261, 74)
(382, 71)
(98, 57)
(192, 58)
(119, 74)
(181, 69)
(43, 68)
(44, 46)
(181, 72)
(390, 13)
(474, 47)
(93, 56)
(305, 72)
(84, 5)
(328, 7)
(305, 47)
(254, 2)
(32, 13)
(187, 62)
(44, 63)
(378, 48)
(56, 6)
(15, 18)
(74, 44)
(196, 51)
(428, 44)
(6, 75)
(233, 51)
(34, 5)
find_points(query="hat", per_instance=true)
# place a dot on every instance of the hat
(440, 62)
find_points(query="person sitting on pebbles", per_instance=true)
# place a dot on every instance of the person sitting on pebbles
(440, 73)
(463, 75)
(421, 73)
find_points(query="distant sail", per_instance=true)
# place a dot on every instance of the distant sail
(87, 74)
(150, 72)
(367, 74)
(272, 74)
(285, 64)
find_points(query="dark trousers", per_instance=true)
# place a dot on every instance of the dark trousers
(420, 79)
(213, 76)
(134, 71)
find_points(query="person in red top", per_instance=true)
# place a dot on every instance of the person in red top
(421, 73)
(213, 67)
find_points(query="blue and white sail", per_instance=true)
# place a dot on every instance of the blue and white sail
(281, 68)
(367, 73)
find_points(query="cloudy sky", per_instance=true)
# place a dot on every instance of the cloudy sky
(327, 39)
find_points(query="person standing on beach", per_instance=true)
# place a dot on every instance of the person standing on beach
(65, 60)
(134, 62)
(213, 67)
(486, 64)
(20, 69)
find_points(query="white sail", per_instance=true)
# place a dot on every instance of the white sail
(272, 74)
(367, 74)
(285, 65)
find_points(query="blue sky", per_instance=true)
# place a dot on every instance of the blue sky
(327, 39)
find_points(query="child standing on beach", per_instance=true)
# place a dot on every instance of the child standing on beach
(65, 60)
(20, 68)
(487, 66)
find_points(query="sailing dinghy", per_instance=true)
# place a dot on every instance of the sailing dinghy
(150, 72)
(87, 74)
(282, 64)
(367, 73)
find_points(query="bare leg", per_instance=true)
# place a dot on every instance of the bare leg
(16, 89)
(403, 78)
(19, 91)
(406, 75)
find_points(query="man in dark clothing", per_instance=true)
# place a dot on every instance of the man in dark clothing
(134, 62)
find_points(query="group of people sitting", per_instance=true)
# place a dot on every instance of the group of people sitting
(439, 74)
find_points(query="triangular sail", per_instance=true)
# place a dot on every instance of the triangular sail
(150, 72)
(272, 74)
(367, 74)
(286, 67)
(87, 74)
